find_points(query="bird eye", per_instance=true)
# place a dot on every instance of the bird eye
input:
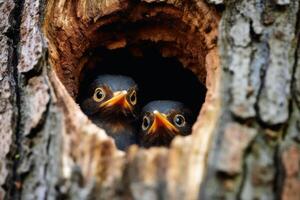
(133, 98)
(179, 120)
(146, 123)
(99, 95)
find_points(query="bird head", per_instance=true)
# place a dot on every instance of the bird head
(111, 96)
(161, 121)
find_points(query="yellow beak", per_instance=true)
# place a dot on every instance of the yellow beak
(119, 98)
(160, 120)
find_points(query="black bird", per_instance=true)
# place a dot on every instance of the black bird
(161, 121)
(110, 102)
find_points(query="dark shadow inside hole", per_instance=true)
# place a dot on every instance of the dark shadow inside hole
(158, 78)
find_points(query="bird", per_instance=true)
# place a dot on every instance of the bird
(162, 120)
(110, 102)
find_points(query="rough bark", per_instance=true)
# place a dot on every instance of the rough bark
(256, 151)
(244, 145)
(8, 99)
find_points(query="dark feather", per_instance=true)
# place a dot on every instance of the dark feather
(117, 122)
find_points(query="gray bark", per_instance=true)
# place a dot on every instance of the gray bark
(8, 97)
(245, 143)
(258, 131)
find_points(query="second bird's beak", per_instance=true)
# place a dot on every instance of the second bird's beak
(161, 121)
(118, 99)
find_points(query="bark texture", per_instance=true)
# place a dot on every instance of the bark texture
(244, 145)
(8, 100)
(256, 148)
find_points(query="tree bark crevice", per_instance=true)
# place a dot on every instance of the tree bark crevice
(245, 142)
(260, 102)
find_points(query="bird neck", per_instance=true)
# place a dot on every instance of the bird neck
(112, 123)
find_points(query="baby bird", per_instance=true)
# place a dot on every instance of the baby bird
(161, 121)
(110, 102)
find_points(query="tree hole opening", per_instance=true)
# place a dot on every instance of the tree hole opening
(169, 49)
(157, 77)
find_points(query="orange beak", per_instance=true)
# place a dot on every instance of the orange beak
(119, 98)
(161, 121)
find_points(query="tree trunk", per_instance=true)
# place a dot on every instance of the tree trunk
(245, 143)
